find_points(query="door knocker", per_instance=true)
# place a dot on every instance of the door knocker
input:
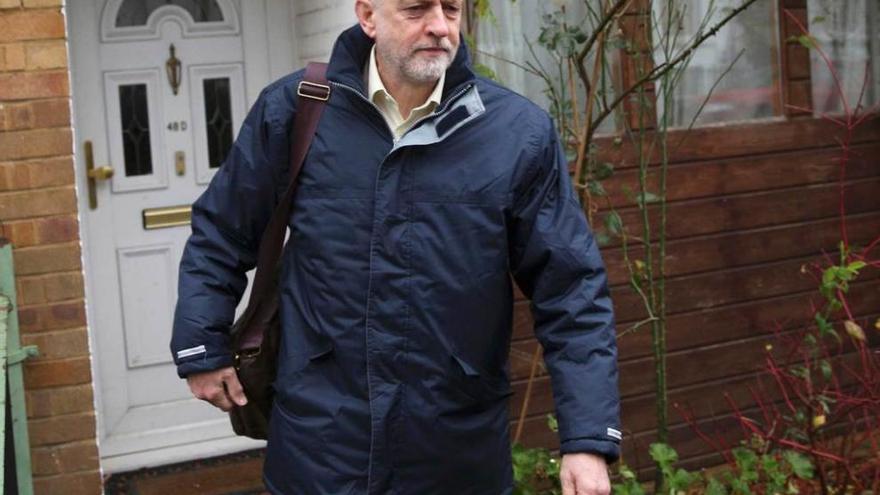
(172, 68)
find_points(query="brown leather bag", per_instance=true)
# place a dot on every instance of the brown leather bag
(256, 334)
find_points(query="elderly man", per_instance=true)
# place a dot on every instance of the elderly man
(425, 188)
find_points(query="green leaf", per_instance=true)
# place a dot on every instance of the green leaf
(825, 366)
(855, 266)
(799, 371)
(800, 464)
(746, 461)
(485, 71)
(596, 188)
(552, 423)
(715, 487)
(613, 223)
(681, 480)
(647, 197)
(630, 485)
(604, 170)
(823, 325)
(804, 40)
(663, 453)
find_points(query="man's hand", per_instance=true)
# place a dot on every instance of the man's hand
(219, 387)
(584, 474)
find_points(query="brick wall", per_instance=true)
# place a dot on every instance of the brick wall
(38, 211)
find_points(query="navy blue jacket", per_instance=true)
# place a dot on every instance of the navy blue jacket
(396, 290)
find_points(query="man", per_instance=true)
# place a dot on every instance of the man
(424, 189)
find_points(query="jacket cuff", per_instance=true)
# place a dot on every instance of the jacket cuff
(607, 448)
(203, 362)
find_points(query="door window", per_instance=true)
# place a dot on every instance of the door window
(218, 119)
(135, 129)
(137, 12)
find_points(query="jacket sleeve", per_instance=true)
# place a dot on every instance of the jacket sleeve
(556, 263)
(228, 220)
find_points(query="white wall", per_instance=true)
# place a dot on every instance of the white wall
(317, 23)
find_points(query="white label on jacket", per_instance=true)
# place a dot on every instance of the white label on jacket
(192, 351)
(613, 433)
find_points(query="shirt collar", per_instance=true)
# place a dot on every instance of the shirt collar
(375, 85)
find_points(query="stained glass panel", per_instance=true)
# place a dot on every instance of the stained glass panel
(136, 12)
(218, 119)
(135, 129)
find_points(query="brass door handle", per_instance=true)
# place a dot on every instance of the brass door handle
(101, 173)
(94, 174)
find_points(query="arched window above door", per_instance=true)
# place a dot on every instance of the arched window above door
(137, 12)
(141, 19)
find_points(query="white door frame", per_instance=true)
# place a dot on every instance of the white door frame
(261, 21)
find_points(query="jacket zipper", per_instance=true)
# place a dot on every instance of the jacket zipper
(370, 279)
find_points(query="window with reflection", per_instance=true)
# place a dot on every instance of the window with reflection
(514, 40)
(137, 12)
(733, 75)
(849, 34)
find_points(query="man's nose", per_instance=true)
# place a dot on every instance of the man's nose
(436, 22)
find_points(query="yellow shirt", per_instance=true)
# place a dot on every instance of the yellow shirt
(388, 106)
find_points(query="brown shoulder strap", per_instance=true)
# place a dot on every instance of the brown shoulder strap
(313, 91)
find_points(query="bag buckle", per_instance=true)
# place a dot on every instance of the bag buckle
(244, 353)
(315, 91)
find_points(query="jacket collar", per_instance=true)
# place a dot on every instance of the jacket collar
(351, 52)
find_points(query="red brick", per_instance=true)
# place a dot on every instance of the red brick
(38, 173)
(59, 316)
(45, 374)
(47, 259)
(41, 3)
(49, 288)
(62, 429)
(80, 483)
(30, 291)
(64, 286)
(12, 57)
(58, 401)
(41, 231)
(51, 113)
(37, 203)
(67, 458)
(12, 177)
(63, 344)
(46, 55)
(20, 233)
(31, 25)
(30, 85)
(56, 229)
(40, 113)
(16, 145)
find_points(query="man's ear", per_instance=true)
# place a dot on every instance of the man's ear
(366, 14)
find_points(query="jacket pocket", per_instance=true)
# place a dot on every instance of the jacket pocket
(477, 385)
(319, 351)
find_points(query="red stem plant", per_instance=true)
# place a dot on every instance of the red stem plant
(823, 397)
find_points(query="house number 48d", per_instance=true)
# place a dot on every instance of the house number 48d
(177, 125)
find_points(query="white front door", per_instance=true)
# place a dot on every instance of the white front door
(159, 93)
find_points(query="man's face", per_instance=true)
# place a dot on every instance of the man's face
(418, 39)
